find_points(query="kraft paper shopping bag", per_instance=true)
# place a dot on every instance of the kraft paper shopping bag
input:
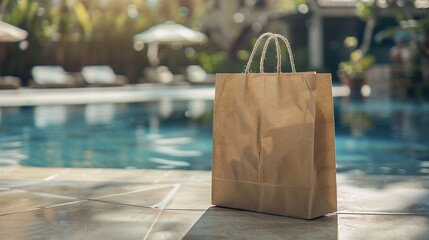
(273, 140)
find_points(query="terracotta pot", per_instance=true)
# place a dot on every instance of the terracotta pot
(354, 84)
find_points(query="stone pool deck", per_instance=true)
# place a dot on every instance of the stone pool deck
(60, 203)
(129, 93)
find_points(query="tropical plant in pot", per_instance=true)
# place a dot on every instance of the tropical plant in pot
(352, 72)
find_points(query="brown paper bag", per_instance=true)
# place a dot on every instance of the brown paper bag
(273, 141)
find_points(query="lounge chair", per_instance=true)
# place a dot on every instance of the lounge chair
(159, 74)
(195, 74)
(102, 76)
(9, 82)
(162, 74)
(53, 77)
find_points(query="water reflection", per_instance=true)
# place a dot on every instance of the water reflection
(154, 126)
(165, 163)
(46, 116)
(196, 108)
(136, 135)
(372, 137)
(99, 113)
(382, 137)
(166, 107)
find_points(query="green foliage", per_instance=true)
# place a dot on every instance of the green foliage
(356, 67)
(357, 64)
(289, 5)
(366, 9)
(358, 121)
(74, 33)
(211, 61)
(424, 25)
(83, 17)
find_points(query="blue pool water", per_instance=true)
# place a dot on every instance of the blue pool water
(371, 137)
(163, 134)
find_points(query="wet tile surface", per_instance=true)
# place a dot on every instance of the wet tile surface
(156, 196)
(174, 224)
(24, 173)
(414, 201)
(383, 227)
(383, 194)
(16, 200)
(110, 175)
(84, 189)
(234, 224)
(88, 220)
(48, 203)
(198, 193)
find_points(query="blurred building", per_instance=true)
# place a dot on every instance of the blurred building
(316, 28)
(322, 25)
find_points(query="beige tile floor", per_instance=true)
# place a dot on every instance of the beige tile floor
(49, 203)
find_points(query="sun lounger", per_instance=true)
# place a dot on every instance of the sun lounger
(102, 76)
(9, 82)
(197, 75)
(163, 75)
(53, 77)
(159, 74)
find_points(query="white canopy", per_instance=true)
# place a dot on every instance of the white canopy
(167, 33)
(10, 33)
(170, 32)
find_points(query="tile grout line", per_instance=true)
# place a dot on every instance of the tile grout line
(192, 209)
(16, 188)
(135, 191)
(163, 204)
(119, 203)
(100, 199)
(168, 198)
(382, 213)
(150, 207)
(65, 204)
(43, 193)
(42, 207)
(46, 179)
(153, 224)
(23, 211)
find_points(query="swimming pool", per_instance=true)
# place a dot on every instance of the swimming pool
(160, 134)
(372, 137)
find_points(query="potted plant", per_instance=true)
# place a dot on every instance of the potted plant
(352, 72)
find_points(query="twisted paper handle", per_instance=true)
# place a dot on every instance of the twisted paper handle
(272, 36)
(255, 48)
(289, 49)
(264, 54)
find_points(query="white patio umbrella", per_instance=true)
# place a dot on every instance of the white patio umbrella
(168, 33)
(10, 33)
